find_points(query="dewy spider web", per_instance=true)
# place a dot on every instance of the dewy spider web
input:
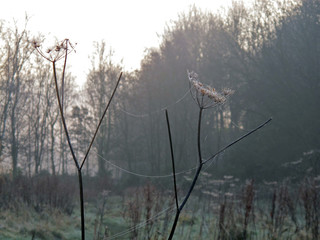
(155, 217)
(142, 224)
(156, 111)
(149, 176)
(142, 175)
(144, 115)
(208, 160)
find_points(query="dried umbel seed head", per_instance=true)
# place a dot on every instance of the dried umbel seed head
(56, 52)
(193, 76)
(227, 91)
(35, 43)
(205, 95)
(57, 48)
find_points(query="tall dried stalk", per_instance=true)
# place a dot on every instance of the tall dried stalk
(205, 97)
(54, 54)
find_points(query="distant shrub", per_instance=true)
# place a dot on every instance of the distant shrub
(41, 192)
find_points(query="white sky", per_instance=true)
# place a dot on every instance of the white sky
(128, 26)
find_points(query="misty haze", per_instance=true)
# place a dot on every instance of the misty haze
(215, 135)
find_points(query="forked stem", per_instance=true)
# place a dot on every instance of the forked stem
(194, 181)
(101, 119)
(76, 162)
(199, 168)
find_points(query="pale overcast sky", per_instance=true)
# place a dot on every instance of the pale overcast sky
(128, 26)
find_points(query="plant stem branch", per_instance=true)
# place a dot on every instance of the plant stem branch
(63, 74)
(237, 140)
(81, 205)
(201, 163)
(172, 160)
(199, 136)
(101, 119)
(72, 151)
(62, 117)
(60, 103)
(194, 181)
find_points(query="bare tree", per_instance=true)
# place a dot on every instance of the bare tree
(39, 105)
(15, 55)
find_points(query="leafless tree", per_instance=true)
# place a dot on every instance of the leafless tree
(15, 54)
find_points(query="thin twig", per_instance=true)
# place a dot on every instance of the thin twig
(101, 119)
(62, 117)
(63, 74)
(237, 140)
(199, 136)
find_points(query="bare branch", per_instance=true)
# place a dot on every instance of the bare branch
(237, 140)
(63, 73)
(101, 119)
(62, 116)
(172, 159)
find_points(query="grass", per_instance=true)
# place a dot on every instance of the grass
(25, 223)
(205, 216)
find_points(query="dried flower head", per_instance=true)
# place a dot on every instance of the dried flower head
(57, 52)
(227, 91)
(57, 48)
(35, 43)
(205, 95)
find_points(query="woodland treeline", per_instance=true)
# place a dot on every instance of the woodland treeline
(267, 52)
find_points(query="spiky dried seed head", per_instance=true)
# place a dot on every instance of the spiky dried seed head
(202, 91)
(35, 43)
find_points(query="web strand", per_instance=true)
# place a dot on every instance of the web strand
(143, 115)
(142, 175)
(142, 224)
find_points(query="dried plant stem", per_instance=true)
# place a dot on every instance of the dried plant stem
(71, 148)
(81, 205)
(199, 168)
(172, 160)
(101, 119)
(76, 162)
(237, 140)
(62, 78)
(199, 136)
(179, 209)
(61, 51)
(62, 115)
